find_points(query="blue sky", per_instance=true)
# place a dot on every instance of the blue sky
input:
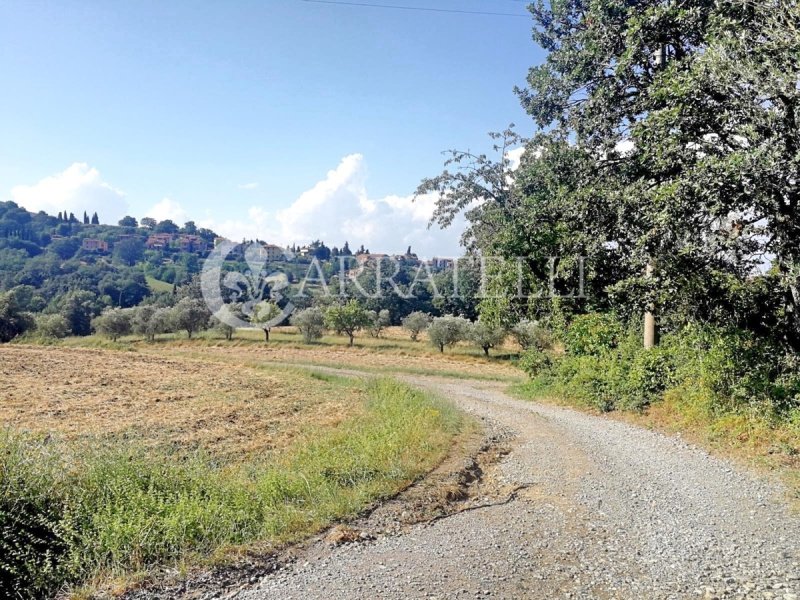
(281, 118)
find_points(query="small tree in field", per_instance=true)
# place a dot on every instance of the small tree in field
(416, 322)
(447, 331)
(310, 323)
(149, 321)
(264, 316)
(349, 319)
(190, 315)
(113, 323)
(224, 328)
(378, 321)
(485, 335)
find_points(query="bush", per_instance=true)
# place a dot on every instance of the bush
(530, 334)
(593, 333)
(310, 323)
(535, 362)
(52, 326)
(13, 321)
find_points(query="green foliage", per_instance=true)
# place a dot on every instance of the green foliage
(78, 307)
(13, 321)
(593, 333)
(234, 309)
(415, 323)
(378, 321)
(190, 315)
(114, 323)
(447, 331)
(310, 322)
(65, 516)
(486, 335)
(733, 371)
(129, 251)
(128, 221)
(348, 318)
(264, 316)
(531, 334)
(149, 321)
(52, 326)
(534, 362)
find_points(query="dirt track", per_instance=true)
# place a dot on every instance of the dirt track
(582, 507)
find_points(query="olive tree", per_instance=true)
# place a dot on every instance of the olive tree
(264, 316)
(190, 315)
(310, 323)
(113, 323)
(486, 335)
(447, 331)
(348, 319)
(378, 321)
(416, 322)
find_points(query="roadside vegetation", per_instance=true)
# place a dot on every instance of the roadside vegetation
(86, 498)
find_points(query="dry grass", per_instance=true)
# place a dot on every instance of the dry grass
(228, 410)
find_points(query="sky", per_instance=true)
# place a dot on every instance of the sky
(283, 120)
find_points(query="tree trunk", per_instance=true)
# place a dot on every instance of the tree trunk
(266, 334)
(486, 350)
(649, 317)
(649, 330)
(352, 337)
(441, 348)
(189, 331)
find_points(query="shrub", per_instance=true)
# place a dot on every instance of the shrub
(416, 322)
(530, 334)
(310, 323)
(13, 321)
(52, 326)
(535, 362)
(593, 333)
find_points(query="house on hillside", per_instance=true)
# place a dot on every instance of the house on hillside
(94, 245)
(191, 243)
(363, 259)
(441, 264)
(158, 241)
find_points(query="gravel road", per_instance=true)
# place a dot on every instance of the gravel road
(582, 507)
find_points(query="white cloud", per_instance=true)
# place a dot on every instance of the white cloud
(338, 209)
(515, 156)
(77, 189)
(168, 209)
(249, 186)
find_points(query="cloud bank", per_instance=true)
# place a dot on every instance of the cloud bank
(336, 209)
(77, 189)
(339, 208)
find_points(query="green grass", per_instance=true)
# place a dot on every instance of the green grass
(156, 285)
(75, 514)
